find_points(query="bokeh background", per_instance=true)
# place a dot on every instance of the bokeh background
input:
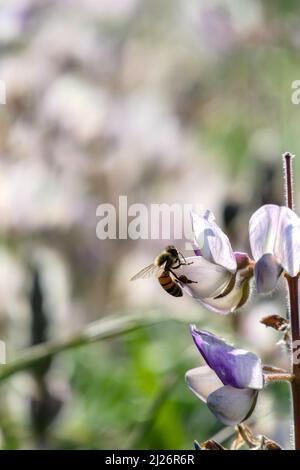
(162, 101)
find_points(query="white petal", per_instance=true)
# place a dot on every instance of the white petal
(228, 303)
(212, 241)
(202, 381)
(211, 279)
(231, 405)
(276, 230)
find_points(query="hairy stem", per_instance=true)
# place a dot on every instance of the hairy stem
(294, 311)
(295, 330)
(288, 157)
(279, 377)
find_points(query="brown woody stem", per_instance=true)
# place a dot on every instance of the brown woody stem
(294, 311)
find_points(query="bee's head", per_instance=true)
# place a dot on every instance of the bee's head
(171, 250)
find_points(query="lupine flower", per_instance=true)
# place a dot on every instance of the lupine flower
(275, 243)
(221, 276)
(230, 381)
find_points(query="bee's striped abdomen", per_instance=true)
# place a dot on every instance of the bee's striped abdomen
(169, 285)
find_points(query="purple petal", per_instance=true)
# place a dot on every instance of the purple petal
(196, 249)
(202, 381)
(212, 242)
(235, 367)
(276, 230)
(242, 259)
(230, 405)
(267, 272)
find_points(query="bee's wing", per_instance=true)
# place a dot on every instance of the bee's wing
(149, 271)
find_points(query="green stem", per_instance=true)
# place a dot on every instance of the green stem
(107, 327)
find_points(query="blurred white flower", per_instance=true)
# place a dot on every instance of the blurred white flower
(76, 106)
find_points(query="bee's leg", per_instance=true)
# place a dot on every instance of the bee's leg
(177, 266)
(186, 280)
(184, 260)
(185, 263)
(174, 274)
(181, 264)
(183, 278)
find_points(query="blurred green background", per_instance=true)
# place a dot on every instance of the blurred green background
(163, 101)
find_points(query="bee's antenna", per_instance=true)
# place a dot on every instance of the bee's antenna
(182, 256)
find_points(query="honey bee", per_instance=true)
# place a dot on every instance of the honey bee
(163, 268)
